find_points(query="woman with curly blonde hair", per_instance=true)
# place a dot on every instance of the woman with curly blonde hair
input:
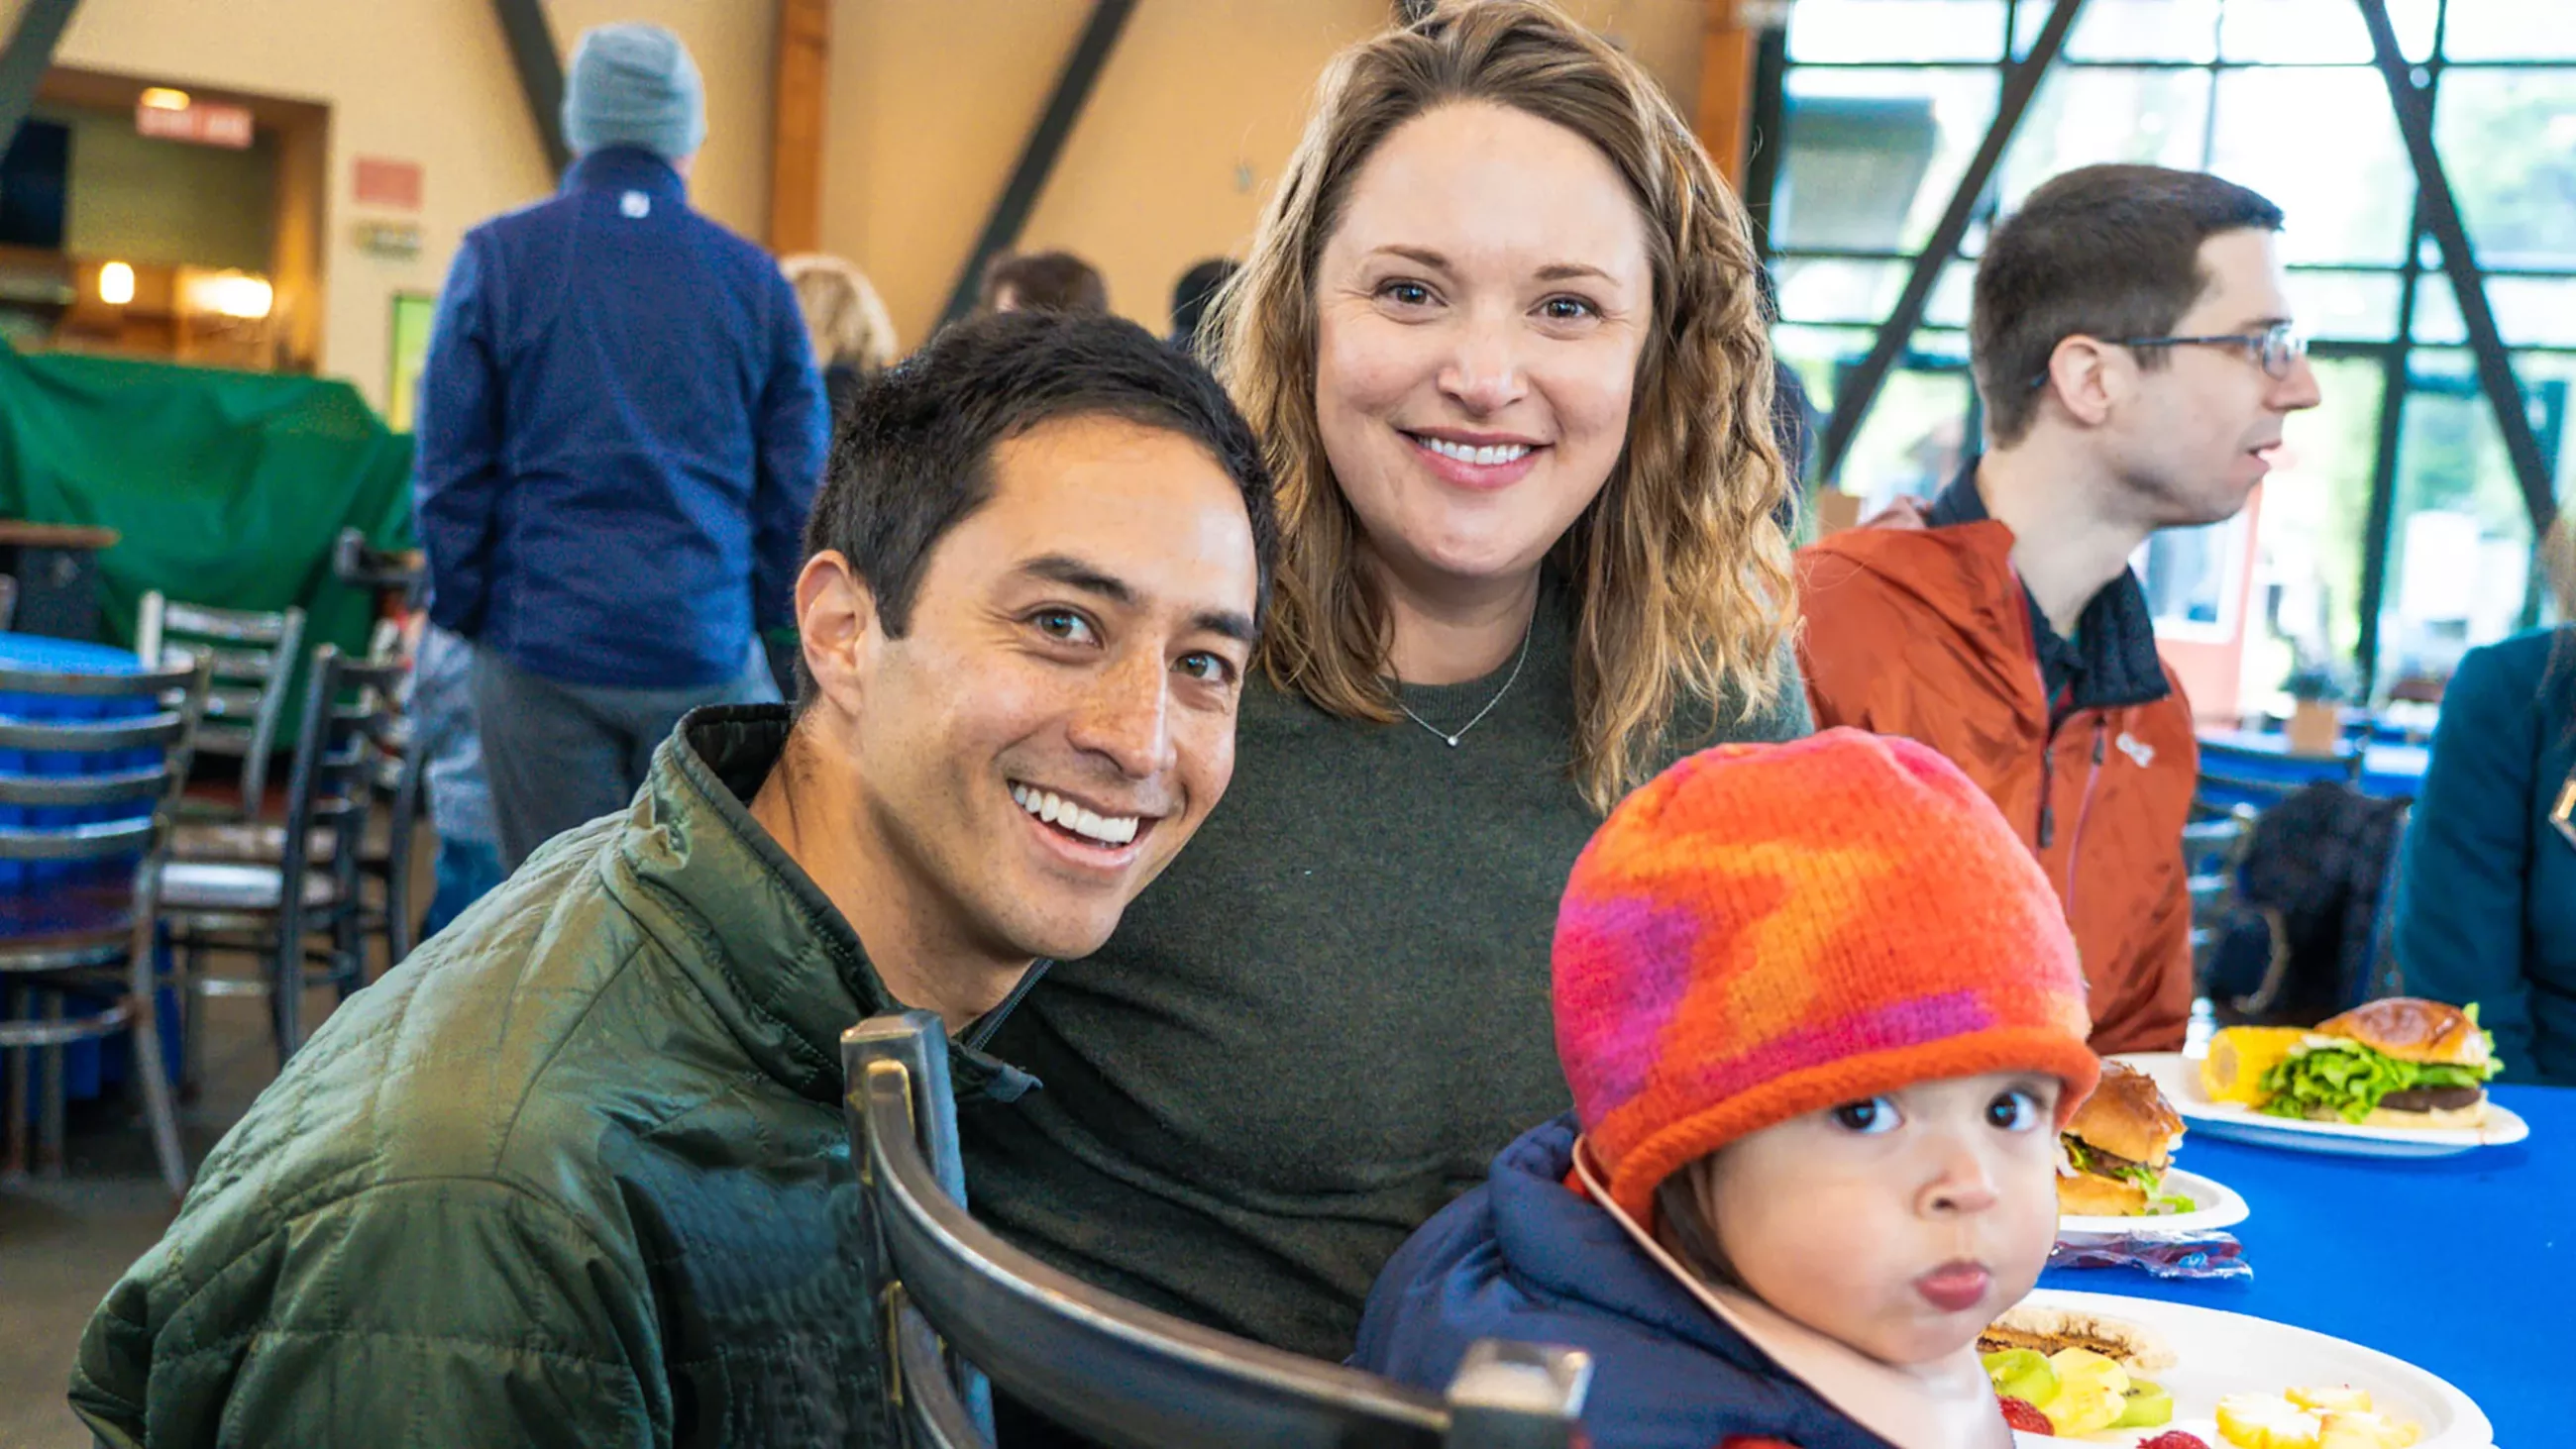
(853, 335)
(1501, 333)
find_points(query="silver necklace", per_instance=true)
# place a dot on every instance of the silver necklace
(1452, 740)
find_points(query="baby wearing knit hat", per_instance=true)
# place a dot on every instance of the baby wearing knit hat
(1822, 1018)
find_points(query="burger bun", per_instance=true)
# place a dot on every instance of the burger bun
(2466, 1118)
(2128, 1117)
(2134, 1346)
(2412, 1029)
(2090, 1195)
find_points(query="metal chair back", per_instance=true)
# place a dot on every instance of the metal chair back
(2231, 775)
(120, 808)
(161, 738)
(396, 782)
(395, 578)
(2212, 849)
(253, 657)
(353, 727)
(964, 1306)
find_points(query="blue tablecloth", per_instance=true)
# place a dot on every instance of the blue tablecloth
(2389, 771)
(2465, 1266)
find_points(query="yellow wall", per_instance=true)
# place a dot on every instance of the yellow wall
(931, 103)
(428, 81)
(163, 203)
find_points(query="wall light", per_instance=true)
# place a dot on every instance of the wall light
(162, 98)
(116, 284)
(230, 294)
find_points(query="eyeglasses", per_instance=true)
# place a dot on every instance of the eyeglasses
(2278, 348)
(2563, 815)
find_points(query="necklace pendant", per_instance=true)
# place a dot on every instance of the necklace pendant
(1452, 739)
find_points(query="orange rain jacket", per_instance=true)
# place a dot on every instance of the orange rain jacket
(1927, 632)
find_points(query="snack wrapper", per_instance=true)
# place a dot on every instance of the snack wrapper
(2206, 1254)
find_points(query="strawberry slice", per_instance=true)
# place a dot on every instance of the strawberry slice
(2175, 1439)
(2024, 1415)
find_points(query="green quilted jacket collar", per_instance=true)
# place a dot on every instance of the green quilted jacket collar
(769, 951)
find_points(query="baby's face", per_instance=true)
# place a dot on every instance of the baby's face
(1901, 1225)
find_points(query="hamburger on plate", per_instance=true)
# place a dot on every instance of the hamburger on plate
(2113, 1155)
(2396, 1062)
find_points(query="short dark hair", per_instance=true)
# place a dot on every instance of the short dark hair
(914, 458)
(2102, 251)
(1193, 292)
(1045, 282)
(1689, 1239)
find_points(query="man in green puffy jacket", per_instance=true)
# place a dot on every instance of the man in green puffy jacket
(575, 1173)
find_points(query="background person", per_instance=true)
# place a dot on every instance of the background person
(620, 433)
(845, 320)
(460, 797)
(1043, 282)
(1194, 294)
(2486, 890)
(2132, 343)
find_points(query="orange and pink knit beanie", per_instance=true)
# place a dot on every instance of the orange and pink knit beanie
(1764, 931)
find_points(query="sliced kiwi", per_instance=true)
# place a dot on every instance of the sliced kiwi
(2145, 1406)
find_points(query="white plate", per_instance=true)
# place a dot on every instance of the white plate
(2179, 1078)
(2229, 1353)
(2219, 1207)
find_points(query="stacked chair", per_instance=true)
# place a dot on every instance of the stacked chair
(252, 656)
(88, 794)
(968, 1312)
(351, 749)
(384, 857)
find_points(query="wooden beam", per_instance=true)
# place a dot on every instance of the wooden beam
(802, 100)
(1037, 159)
(23, 60)
(1725, 116)
(541, 73)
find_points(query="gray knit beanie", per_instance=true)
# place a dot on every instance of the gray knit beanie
(634, 85)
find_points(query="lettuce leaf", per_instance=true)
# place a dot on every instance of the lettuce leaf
(2351, 1080)
(2146, 1179)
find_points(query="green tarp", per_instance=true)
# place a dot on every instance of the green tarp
(229, 488)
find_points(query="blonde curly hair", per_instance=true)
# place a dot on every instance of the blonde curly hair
(1680, 568)
(844, 316)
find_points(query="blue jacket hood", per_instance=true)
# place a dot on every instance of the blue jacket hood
(1524, 1257)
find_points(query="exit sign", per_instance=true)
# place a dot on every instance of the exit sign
(200, 123)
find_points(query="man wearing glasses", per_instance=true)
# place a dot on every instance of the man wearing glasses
(2133, 349)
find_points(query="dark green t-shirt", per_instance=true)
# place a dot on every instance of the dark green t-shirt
(1322, 1023)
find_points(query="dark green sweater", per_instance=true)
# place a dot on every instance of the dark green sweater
(1321, 1024)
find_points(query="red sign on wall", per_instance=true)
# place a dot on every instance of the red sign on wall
(388, 183)
(201, 123)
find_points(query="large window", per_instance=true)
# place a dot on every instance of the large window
(1878, 106)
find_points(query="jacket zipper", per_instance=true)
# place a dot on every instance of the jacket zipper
(2047, 832)
(981, 1029)
(2084, 809)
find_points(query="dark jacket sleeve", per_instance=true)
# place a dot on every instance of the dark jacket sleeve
(457, 468)
(2467, 863)
(427, 1312)
(794, 430)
